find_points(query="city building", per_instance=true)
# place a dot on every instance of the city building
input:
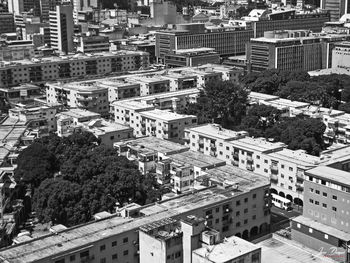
(191, 57)
(21, 93)
(83, 95)
(80, 120)
(289, 50)
(120, 238)
(42, 70)
(336, 8)
(341, 55)
(226, 40)
(325, 220)
(232, 249)
(16, 50)
(61, 28)
(17, 7)
(147, 121)
(7, 23)
(93, 44)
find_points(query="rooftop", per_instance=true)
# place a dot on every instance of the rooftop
(331, 231)
(79, 113)
(329, 71)
(164, 115)
(197, 159)
(284, 103)
(132, 105)
(298, 157)
(257, 144)
(156, 145)
(231, 248)
(261, 96)
(46, 247)
(101, 127)
(216, 131)
(330, 174)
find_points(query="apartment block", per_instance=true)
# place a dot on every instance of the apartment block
(79, 95)
(70, 67)
(325, 220)
(80, 120)
(341, 55)
(147, 121)
(119, 238)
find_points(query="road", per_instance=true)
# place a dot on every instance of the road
(280, 218)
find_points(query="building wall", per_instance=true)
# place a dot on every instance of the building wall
(7, 23)
(341, 57)
(327, 205)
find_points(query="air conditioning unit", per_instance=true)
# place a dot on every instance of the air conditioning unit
(210, 237)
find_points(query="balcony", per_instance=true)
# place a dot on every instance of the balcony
(250, 167)
(143, 123)
(235, 155)
(187, 140)
(201, 143)
(300, 176)
(274, 169)
(299, 187)
(249, 158)
(213, 146)
(85, 99)
(214, 154)
(87, 259)
(273, 178)
(227, 210)
(234, 163)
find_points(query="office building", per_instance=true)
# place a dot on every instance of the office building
(7, 23)
(227, 40)
(17, 7)
(46, 6)
(341, 55)
(72, 67)
(93, 44)
(336, 8)
(16, 50)
(21, 93)
(61, 28)
(289, 50)
(191, 57)
(325, 220)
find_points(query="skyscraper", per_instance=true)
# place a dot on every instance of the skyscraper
(336, 8)
(17, 7)
(61, 28)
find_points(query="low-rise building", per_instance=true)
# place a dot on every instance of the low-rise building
(341, 55)
(93, 44)
(41, 70)
(16, 50)
(191, 57)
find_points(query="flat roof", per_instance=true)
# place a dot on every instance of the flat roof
(100, 126)
(257, 144)
(329, 71)
(284, 103)
(157, 145)
(82, 236)
(231, 248)
(261, 96)
(331, 231)
(133, 105)
(79, 113)
(216, 131)
(197, 159)
(331, 174)
(167, 95)
(230, 174)
(298, 157)
(165, 115)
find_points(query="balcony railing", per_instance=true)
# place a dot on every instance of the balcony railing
(299, 187)
(274, 178)
(274, 169)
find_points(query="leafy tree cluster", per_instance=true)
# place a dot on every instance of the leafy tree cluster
(74, 178)
(221, 101)
(331, 91)
(297, 133)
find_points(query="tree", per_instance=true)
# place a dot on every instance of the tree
(345, 107)
(35, 164)
(221, 101)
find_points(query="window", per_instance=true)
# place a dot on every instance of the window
(114, 256)
(178, 254)
(103, 260)
(126, 252)
(334, 209)
(291, 169)
(265, 161)
(246, 200)
(334, 197)
(254, 217)
(60, 261)
(72, 258)
(310, 230)
(225, 228)
(311, 201)
(325, 236)
(282, 166)
(238, 224)
(114, 243)
(298, 225)
(125, 240)
(317, 202)
(245, 221)
(103, 247)
(217, 209)
(311, 190)
(324, 194)
(254, 196)
(84, 254)
(317, 192)
(258, 157)
(238, 203)
(324, 205)
(237, 213)
(246, 210)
